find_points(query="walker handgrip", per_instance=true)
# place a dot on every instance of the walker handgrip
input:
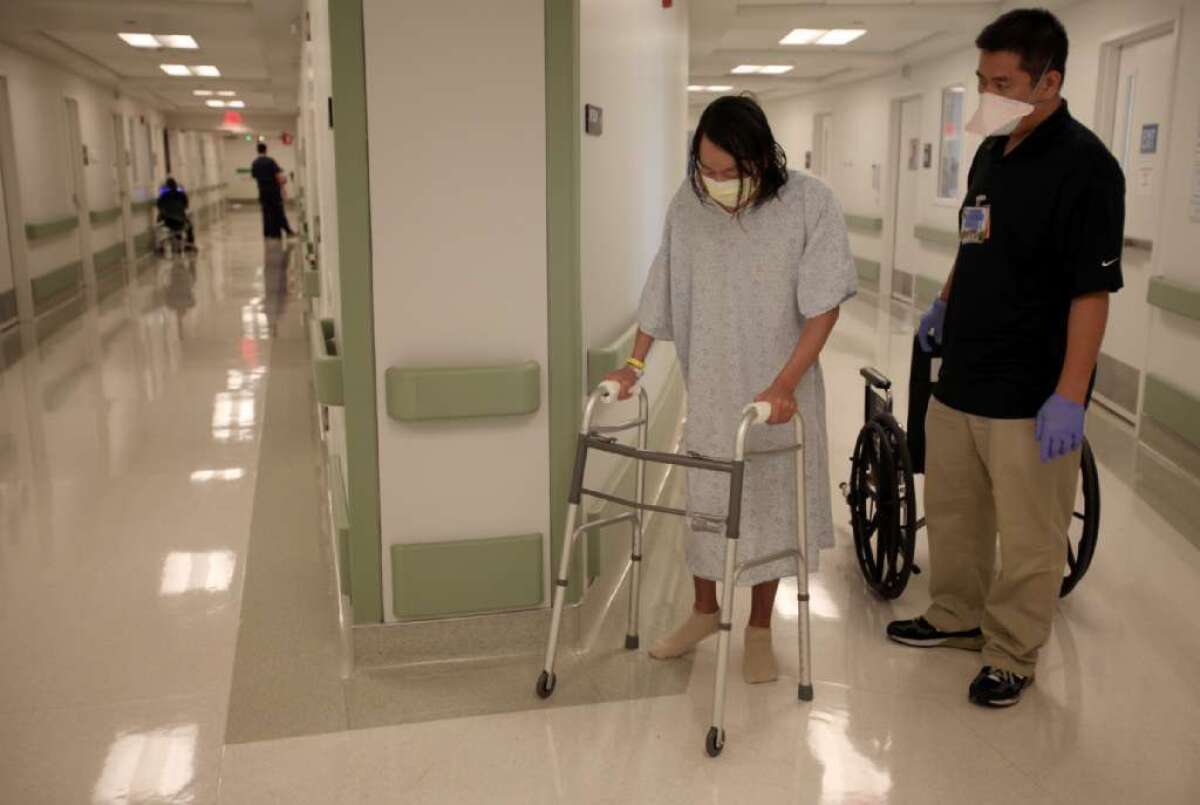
(610, 391)
(762, 411)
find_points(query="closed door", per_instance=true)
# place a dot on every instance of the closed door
(79, 194)
(822, 143)
(1139, 127)
(907, 252)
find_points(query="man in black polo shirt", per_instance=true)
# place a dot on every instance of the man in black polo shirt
(270, 179)
(1020, 321)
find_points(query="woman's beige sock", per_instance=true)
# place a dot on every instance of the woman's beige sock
(758, 662)
(698, 626)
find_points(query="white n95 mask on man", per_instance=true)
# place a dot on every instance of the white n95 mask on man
(997, 116)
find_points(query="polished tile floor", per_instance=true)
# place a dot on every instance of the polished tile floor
(132, 458)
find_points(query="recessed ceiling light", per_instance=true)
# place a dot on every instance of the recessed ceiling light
(840, 36)
(719, 88)
(237, 104)
(226, 93)
(216, 104)
(202, 92)
(695, 88)
(175, 69)
(761, 69)
(140, 40)
(802, 36)
(177, 41)
(206, 70)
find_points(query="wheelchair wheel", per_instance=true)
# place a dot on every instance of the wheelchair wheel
(883, 507)
(903, 547)
(1084, 530)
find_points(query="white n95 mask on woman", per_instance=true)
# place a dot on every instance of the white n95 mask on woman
(726, 193)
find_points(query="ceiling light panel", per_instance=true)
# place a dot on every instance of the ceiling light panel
(762, 69)
(237, 104)
(720, 88)
(206, 70)
(803, 36)
(226, 93)
(140, 40)
(202, 92)
(215, 104)
(175, 69)
(176, 41)
(840, 36)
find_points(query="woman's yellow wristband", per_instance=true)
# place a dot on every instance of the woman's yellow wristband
(636, 364)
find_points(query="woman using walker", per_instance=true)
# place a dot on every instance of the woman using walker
(754, 263)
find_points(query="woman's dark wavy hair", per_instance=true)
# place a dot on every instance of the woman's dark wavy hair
(737, 125)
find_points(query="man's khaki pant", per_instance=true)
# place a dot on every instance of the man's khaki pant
(982, 476)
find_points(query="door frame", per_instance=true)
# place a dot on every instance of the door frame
(73, 117)
(1104, 125)
(15, 219)
(887, 262)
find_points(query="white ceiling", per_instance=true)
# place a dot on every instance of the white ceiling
(726, 33)
(254, 43)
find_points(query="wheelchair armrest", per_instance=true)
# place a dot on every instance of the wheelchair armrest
(875, 378)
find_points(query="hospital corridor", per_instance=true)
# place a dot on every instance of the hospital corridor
(599, 401)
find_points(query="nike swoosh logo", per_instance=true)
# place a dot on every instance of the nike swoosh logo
(1106, 264)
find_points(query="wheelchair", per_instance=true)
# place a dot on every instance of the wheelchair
(172, 238)
(881, 492)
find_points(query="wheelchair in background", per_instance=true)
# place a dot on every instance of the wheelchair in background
(881, 492)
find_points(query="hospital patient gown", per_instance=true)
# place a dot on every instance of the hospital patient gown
(733, 294)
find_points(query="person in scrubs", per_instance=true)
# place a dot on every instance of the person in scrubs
(754, 264)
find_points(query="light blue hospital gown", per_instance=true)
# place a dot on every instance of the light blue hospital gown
(733, 294)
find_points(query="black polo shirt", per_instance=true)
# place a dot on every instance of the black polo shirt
(1057, 210)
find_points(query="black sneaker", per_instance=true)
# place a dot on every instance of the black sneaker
(995, 687)
(922, 634)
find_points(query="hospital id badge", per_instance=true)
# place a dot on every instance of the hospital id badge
(976, 223)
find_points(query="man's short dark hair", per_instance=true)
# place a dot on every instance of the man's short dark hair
(1034, 34)
(262, 148)
(172, 184)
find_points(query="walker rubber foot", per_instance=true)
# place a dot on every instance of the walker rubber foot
(631, 641)
(806, 693)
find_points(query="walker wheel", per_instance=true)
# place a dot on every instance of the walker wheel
(545, 684)
(715, 741)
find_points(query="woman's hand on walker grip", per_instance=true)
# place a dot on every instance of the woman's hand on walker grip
(783, 403)
(627, 377)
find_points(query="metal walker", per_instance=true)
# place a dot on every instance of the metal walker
(600, 438)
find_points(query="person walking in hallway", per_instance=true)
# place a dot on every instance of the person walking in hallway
(753, 267)
(270, 179)
(1020, 322)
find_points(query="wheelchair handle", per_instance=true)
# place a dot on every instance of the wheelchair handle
(875, 378)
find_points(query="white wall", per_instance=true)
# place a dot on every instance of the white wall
(458, 229)
(633, 64)
(319, 179)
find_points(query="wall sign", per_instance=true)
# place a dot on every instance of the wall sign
(593, 120)
(1150, 138)
(927, 159)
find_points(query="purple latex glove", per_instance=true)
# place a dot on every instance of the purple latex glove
(932, 322)
(1059, 427)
